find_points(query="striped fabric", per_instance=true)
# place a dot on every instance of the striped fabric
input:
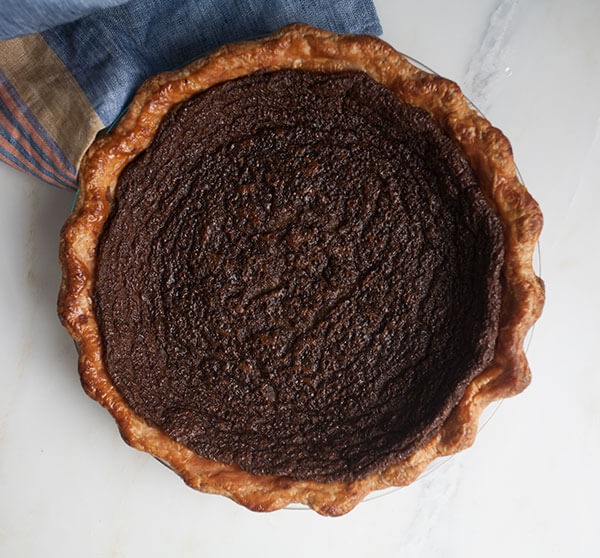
(26, 145)
(46, 120)
(59, 88)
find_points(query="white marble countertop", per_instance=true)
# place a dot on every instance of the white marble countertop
(528, 487)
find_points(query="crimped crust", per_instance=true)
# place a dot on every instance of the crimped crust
(303, 46)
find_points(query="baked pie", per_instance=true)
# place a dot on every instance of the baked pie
(299, 268)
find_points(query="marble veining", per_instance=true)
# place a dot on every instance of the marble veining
(488, 64)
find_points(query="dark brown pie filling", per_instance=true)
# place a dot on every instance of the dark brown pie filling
(300, 275)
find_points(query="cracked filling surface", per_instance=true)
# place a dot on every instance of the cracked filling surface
(299, 276)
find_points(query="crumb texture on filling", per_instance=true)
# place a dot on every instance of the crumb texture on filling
(300, 275)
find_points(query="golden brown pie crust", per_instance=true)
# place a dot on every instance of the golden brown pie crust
(305, 47)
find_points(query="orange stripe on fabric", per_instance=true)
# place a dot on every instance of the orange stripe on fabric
(32, 170)
(14, 109)
(24, 141)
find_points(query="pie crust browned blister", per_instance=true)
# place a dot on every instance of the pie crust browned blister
(289, 447)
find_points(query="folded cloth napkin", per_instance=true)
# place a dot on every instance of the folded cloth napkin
(68, 68)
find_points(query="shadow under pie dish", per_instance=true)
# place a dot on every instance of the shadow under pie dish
(299, 268)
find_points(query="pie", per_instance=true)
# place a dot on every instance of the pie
(299, 268)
